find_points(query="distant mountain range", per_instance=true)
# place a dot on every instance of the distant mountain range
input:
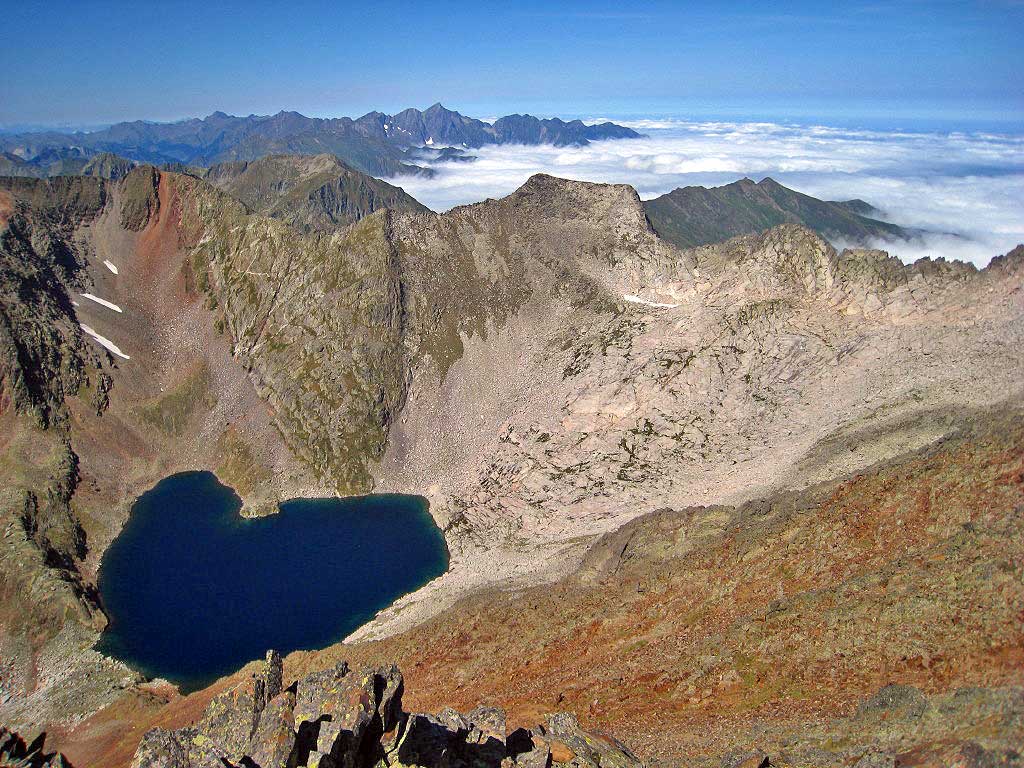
(376, 143)
(692, 216)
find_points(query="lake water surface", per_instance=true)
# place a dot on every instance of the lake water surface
(193, 590)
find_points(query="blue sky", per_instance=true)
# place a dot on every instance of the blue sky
(912, 61)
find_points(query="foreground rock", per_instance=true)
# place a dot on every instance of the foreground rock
(16, 753)
(341, 718)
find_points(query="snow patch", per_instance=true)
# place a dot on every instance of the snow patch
(104, 341)
(101, 302)
(110, 266)
(648, 303)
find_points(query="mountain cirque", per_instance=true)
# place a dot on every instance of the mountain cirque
(546, 370)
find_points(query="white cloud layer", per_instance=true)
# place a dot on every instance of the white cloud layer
(967, 187)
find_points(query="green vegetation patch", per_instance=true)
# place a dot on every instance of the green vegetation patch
(170, 413)
(237, 465)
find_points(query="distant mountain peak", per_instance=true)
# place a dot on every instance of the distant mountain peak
(693, 216)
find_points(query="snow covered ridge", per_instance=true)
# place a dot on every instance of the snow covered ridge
(647, 303)
(109, 265)
(101, 302)
(104, 341)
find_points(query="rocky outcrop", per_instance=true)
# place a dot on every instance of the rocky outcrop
(340, 718)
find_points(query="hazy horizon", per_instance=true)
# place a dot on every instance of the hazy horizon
(919, 117)
(953, 61)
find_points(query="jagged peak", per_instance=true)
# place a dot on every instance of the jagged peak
(547, 182)
(437, 106)
(1011, 261)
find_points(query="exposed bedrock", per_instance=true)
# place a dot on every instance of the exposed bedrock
(340, 718)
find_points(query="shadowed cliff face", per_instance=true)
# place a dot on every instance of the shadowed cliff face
(542, 367)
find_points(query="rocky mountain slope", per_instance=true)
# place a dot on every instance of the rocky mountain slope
(869, 621)
(375, 143)
(692, 216)
(543, 367)
(308, 192)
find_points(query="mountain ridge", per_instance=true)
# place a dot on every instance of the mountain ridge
(375, 143)
(311, 192)
(693, 216)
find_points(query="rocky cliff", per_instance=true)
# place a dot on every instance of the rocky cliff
(16, 753)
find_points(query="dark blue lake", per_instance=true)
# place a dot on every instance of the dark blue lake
(193, 590)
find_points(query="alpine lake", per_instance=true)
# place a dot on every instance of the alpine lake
(193, 590)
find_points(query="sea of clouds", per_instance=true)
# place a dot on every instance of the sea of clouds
(966, 188)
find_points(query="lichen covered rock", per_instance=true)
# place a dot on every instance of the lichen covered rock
(340, 718)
